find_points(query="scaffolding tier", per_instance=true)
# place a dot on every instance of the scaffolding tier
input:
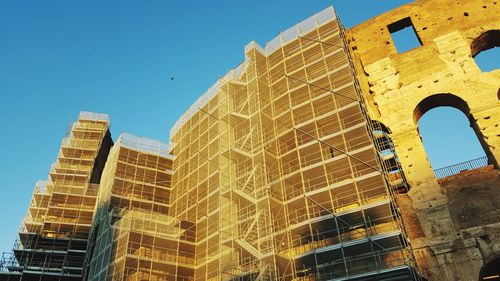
(53, 235)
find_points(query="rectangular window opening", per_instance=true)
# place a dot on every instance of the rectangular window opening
(404, 36)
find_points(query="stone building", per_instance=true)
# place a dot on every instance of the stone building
(453, 223)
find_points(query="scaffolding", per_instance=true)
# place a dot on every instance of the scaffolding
(132, 237)
(53, 235)
(278, 174)
(284, 174)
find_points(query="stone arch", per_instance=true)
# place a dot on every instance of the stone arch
(485, 41)
(491, 270)
(447, 99)
(438, 100)
(381, 126)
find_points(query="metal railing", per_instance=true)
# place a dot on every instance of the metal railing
(460, 167)
(8, 262)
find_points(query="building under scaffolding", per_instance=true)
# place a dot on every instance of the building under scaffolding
(133, 238)
(53, 236)
(283, 173)
(276, 173)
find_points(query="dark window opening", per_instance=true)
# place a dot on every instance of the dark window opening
(485, 50)
(491, 271)
(404, 36)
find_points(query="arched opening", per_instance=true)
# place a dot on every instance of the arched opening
(388, 156)
(490, 271)
(485, 50)
(450, 136)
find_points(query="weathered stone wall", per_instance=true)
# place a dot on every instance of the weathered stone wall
(454, 225)
(469, 235)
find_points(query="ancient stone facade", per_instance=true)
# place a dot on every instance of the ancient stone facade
(454, 224)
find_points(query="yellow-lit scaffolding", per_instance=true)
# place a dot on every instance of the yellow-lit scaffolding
(53, 235)
(275, 173)
(133, 238)
(283, 173)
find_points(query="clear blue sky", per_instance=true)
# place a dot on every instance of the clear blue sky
(60, 57)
